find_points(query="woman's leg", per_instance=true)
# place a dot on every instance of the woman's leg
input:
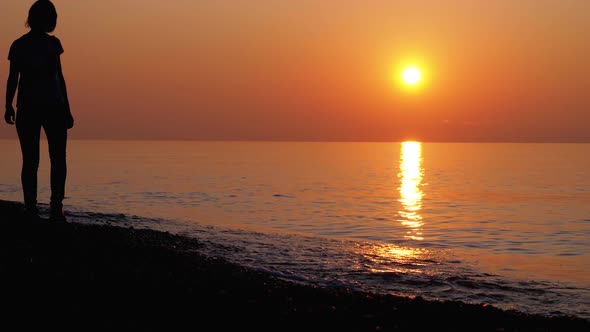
(29, 132)
(57, 136)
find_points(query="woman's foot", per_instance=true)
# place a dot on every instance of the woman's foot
(31, 212)
(56, 213)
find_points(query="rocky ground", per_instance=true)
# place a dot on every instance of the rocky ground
(89, 277)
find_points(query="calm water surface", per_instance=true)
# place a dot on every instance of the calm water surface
(506, 224)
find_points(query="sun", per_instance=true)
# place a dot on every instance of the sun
(411, 75)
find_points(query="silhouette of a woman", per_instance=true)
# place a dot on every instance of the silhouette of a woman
(35, 69)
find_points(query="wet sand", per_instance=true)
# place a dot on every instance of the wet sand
(90, 277)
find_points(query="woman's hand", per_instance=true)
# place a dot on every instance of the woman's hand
(69, 118)
(9, 115)
(69, 121)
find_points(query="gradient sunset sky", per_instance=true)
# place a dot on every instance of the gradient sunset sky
(502, 70)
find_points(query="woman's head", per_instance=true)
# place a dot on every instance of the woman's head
(42, 16)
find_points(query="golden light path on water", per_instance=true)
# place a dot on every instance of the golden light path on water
(411, 174)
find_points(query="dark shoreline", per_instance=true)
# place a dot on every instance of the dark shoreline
(110, 278)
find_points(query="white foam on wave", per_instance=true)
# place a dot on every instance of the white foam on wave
(368, 266)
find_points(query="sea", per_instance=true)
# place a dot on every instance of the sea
(500, 224)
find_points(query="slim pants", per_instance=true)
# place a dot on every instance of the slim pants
(28, 125)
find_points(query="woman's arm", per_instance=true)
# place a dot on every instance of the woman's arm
(62, 82)
(11, 86)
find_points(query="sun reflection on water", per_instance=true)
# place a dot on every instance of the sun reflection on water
(410, 175)
(390, 258)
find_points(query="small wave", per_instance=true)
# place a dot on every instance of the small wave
(431, 273)
(283, 196)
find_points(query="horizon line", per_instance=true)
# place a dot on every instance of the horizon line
(309, 141)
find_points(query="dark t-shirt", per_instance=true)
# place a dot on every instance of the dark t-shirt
(36, 56)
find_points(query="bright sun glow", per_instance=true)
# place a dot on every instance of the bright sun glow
(411, 75)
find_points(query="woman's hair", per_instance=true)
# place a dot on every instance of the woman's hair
(42, 16)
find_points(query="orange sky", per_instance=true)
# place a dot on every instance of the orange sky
(499, 70)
